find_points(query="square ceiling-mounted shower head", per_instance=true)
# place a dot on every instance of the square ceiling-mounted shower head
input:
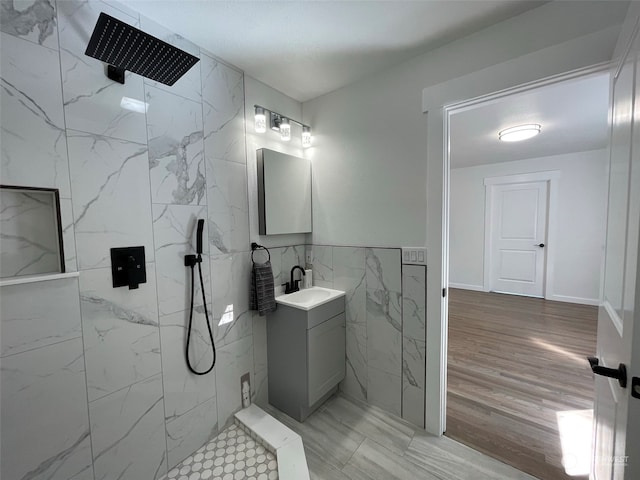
(127, 48)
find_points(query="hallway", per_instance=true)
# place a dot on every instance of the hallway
(514, 364)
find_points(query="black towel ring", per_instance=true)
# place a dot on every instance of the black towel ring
(255, 246)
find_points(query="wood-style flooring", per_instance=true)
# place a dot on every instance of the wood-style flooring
(346, 440)
(514, 362)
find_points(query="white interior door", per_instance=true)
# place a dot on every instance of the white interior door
(518, 225)
(616, 428)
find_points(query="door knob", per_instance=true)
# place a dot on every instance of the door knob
(541, 245)
(619, 373)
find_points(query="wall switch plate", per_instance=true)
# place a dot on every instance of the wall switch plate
(308, 252)
(414, 255)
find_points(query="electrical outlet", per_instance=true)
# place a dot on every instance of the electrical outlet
(245, 390)
(308, 252)
(414, 255)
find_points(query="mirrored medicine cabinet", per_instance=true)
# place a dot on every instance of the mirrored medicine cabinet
(284, 193)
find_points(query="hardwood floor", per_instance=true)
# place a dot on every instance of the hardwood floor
(514, 362)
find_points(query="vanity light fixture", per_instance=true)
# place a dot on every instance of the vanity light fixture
(306, 136)
(285, 129)
(520, 132)
(279, 123)
(260, 120)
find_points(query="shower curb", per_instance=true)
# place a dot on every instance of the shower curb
(283, 442)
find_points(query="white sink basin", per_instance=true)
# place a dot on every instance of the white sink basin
(309, 298)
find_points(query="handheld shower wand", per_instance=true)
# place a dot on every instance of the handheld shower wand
(199, 237)
(191, 261)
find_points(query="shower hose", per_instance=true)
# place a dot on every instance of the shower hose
(206, 316)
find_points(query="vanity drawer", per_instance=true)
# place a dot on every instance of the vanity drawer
(322, 313)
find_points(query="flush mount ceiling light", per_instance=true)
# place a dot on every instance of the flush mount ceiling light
(521, 132)
(281, 124)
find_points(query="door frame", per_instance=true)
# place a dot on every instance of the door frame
(552, 178)
(439, 102)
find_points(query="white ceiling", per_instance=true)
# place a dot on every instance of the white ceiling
(573, 116)
(308, 48)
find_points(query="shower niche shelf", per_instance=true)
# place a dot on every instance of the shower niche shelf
(31, 228)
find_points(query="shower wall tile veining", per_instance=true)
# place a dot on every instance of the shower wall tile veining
(94, 382)
(385, 319)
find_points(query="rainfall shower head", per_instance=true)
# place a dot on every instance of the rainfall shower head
(124, 47)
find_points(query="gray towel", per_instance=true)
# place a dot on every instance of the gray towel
(262, 297)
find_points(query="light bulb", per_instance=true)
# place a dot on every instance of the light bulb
(260, 120)
(306, 137)
(285, 129)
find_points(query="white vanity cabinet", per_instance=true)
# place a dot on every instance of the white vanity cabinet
(306, 356)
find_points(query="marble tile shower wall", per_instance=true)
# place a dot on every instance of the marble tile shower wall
(385, 310)
(93, 379)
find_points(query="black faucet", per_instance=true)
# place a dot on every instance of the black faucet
(294, 285)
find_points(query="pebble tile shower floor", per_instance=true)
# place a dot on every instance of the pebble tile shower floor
(232, 455)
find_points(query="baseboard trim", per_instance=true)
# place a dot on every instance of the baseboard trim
(568, 299)
(465, 286)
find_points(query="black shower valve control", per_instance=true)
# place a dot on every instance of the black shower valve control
(128, 267)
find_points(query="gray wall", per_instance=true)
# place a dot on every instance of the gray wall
(370, 147)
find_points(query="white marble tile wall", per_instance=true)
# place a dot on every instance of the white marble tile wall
(413, 343)
(228, 204)
(176, 149)
(385, 335)
(231, 274)
(111, 204)
(223, 113)
(31, 20)
(174, 230)
(45, 426)
(234, 360)
(35, 315)
(128, 432)
(126, 179)
(183, 390)
(120, 330)
(322, 260)
(34, 146)
(384, 327)
(190, 431)
(349, 275)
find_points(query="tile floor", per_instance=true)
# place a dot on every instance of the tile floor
(232, 455)
(344, 440)
(347, 440)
